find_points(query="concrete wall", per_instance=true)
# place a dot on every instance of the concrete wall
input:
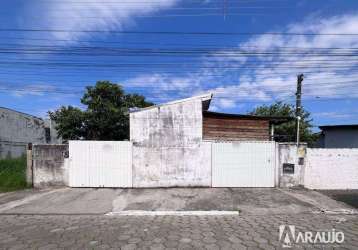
(340, 138)
(288, 153)
(168, 148)
(17, 130)
(190, 165)
(53, 132)
(50, 166)
(12, 149)
(331, 169)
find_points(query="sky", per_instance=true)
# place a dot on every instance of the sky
(247, 52)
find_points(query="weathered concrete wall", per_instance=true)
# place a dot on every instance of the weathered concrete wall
(167, 146)
(171, 167)
(288, 153)
(331, 169)
(12, 149)
(17, 130)
(50, 166)
(51, 125)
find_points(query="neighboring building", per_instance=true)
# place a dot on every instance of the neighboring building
(18, 129)
(339, 136)
(235, 127)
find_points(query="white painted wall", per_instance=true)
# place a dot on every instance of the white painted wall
(167, 146)
(331, 169)
(172, 166)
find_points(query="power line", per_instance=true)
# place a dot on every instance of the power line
(201, 44)
(196, 33)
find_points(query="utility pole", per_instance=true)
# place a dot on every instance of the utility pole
(298, 106)
(224, 8)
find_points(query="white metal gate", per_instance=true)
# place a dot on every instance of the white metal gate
(243, 164)
(100, 164)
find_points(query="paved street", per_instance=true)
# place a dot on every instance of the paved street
(164, 232)
(76, 218)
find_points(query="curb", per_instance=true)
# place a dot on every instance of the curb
(175, 213)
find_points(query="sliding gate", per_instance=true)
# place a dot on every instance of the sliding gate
(100, 164)
(243, 164)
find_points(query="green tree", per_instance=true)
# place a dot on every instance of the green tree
(106, 116)
(287, 131)
(69, 122)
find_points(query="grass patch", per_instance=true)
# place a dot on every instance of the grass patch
(12, 174)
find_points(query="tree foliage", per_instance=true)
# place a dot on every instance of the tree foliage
(105, 118)
(287, 131)
(69, 122)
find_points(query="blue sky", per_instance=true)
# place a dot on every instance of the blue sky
(44, 69)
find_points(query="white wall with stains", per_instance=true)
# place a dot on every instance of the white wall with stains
(167, 146)
(331, 168)
(50, 167)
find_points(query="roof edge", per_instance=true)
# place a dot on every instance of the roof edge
(22, 113)
(273, 119)
(203, 97)
(338, 126)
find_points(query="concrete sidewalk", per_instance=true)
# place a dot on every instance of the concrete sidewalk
(249, 201)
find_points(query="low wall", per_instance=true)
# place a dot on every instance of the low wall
(49, 165)
(331, 169)
(181, 166)
(190, 165)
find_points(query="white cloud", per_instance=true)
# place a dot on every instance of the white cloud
(95, 15)
(336, 114)
(32, 89)
(162, 87)
(325, 83)
(274, 78)
(227, 103)
(275, 75)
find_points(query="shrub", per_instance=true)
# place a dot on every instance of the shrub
(12, 174)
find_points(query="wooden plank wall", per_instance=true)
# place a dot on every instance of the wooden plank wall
(235, 129)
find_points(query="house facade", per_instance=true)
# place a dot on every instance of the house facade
(172, 141)
(339, 136)
(182, 144)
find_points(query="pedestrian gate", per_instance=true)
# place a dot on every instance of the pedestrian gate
(243, 164)
(100, 164)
